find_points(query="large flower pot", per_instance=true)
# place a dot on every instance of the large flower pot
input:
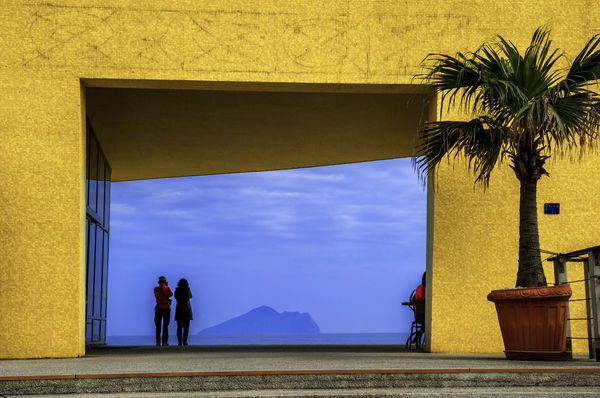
(533, 321)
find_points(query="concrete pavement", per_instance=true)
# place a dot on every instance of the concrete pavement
(509, 392)
(148, 359)
(295, 371)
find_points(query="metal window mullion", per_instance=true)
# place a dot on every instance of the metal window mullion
(97, 171)
(101, 298)
(87, 165)
(93, 215)
(105, 269)
(94, 281)
(89, 224)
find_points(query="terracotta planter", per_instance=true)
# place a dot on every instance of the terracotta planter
(533, 321)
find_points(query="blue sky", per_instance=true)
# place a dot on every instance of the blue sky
(344, 243)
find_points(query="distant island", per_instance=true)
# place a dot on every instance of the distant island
(265, 320)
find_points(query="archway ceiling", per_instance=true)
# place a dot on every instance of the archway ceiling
(166, 132)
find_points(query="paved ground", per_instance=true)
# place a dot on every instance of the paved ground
(147, 359)
(537, 392)
(302, 371)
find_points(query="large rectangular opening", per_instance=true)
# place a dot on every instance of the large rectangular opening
(151, 130)
(322, 255)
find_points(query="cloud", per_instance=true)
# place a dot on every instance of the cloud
(280, 221)
(347, 201)
(120, 224)
(303, 175)
(281, 231)
(121, 209)
(182, 213)
(269, 193)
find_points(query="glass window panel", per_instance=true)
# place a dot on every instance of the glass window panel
(105, 275)
(98, 200)
(88, 332)
(103, 331)
(87, 243)
(87, 165)
(87, 257)
(96, 331)
(90, 268)
(101, 165)
(98, 273)
(107, 199)
(93, 178)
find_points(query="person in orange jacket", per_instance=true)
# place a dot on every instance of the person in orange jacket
(162, 309)
(420, 292)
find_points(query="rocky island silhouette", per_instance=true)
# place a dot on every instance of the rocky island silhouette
(266, 321)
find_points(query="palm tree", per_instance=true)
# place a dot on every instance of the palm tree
(524, 108)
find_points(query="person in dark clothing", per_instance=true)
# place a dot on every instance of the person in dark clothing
(183, 310)
(162, 310)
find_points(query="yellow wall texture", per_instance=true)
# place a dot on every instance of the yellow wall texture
(475, 247)
(48, 47)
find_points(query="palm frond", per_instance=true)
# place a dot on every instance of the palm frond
(574, 120)
(523, 110)
(528, 107)
(585, 68)
(480, 140)
(535, 72)
(449, 75)
(539, 52)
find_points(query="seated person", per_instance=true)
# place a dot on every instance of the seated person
(420, 292)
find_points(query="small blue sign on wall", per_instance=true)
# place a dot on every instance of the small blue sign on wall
(551, 208)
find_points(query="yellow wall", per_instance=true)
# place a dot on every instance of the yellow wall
(475, 247)
(47, 48)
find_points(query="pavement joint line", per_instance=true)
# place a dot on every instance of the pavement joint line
(296, 372)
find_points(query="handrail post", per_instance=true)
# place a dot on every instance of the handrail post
(560, 271)
(560, 278)
(594, 281)
(588, 307)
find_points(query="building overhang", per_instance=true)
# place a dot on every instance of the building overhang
(155, 129)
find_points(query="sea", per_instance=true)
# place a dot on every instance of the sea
(291, 339)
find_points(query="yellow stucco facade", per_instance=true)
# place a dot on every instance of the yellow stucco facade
(54, 52)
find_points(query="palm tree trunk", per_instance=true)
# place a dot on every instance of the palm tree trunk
(531, 272)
